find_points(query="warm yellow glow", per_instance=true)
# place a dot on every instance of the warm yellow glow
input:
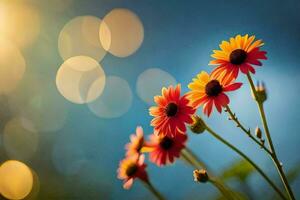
(16, 180)
(123, 32)
(115, 100)
(12, 66)
(19, 22)
(150, 82)
(19, 143)
(80, 79)
(80, 36)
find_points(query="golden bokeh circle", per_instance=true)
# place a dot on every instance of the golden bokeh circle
(80, 36)
(16, 180)
(80, 79)
(122, 32)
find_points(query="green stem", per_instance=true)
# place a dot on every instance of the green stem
(269, 139)
(152, 189)
(238, 123)
(246, 158)
(227, 193)
(188, 154)
(184, 156)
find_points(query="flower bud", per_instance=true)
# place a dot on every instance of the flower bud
(258, 132)
(200, 175)
(261, 94)
(198, 125)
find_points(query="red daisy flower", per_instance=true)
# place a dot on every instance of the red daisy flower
(240, 53)
(209, 91)
(164, 149)
(171, 112)
(131, 168)
(136, 142)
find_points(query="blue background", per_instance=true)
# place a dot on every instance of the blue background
(179, 38)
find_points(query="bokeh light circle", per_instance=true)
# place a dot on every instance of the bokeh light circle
(19, 22)
(150, 83)
(16, 180)
(12, 66)
(20, 143)
(80, 79)
(122, 32)
(115, 100)
(80, 36)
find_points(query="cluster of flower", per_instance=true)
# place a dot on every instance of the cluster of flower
(174, 111)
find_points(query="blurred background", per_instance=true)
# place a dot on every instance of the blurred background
(78, 76)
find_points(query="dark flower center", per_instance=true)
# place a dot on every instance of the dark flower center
(238, 56)
(213, 88)
(131, 170)
(166, 143)
(171, 109)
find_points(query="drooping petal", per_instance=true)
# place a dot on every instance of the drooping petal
(223, 99)
(232, 87)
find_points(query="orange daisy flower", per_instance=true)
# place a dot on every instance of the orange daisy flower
(164, 149)
(136, 142)
(131, 168)
(171, 112)
(209, 91)
(239, 54)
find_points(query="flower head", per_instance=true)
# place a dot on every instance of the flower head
(164, 149)
(198, 125)
(238, 54)
(136, 142)
(261, 92)
(209, 91)
(131, 168)
(200, 175)
(171, 112)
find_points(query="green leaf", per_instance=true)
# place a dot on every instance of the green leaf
(240, 169)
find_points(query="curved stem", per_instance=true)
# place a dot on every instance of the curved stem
(152, 189)
(187, 158)
(227, 193)
(186, 152)
(246, 158)
(269, 139)
(248, 133)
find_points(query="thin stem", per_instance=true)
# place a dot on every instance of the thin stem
(152, 189)
(193, 158)
(248, 133)
(246, 158)
(269, 139)
(184, 156)
(227, 193)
